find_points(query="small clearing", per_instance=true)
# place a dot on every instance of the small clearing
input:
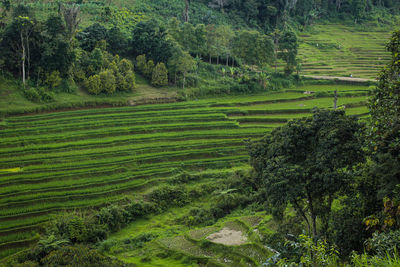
(228, 237)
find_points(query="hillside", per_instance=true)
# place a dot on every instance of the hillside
(341, 51)
(73, 159)
(199, 133)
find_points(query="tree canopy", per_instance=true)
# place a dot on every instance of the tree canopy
(307, 162)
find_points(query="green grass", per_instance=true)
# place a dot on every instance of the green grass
(338, 50)
(78, 159)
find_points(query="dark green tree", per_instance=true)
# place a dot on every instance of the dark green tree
(89, 37)
(385, 123)
(117, 42)
(58, 54)
(288, 50)
(307, 163)
(149, 38)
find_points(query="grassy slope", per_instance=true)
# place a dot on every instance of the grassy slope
(339, 50)
(125, 150)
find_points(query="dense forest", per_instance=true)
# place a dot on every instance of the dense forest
(60, 54)
(330, 181)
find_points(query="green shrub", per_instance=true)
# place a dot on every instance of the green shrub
(32, 95)
(108, 81)
(53, 79)
(160, 75)
(93, 84)
(168, 196)
(79, 255)
(38, 95)
(141, 63)
(148, 69)
(68, 86)
(383, 244)
(129, 81)
(114, 217)
(78, 228)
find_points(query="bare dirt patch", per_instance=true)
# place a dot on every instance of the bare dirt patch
(228, 237)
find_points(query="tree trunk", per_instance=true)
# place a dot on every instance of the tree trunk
(175, 78)
(217, 60)
(313, 218)
(276, 51)
(28, 55)
(297, 206)
(23, 58)
(325, 223)
(186, 11)
(184, 79)
(227, 60)
(210, 58)
(335, 100)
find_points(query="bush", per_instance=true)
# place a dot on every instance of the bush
(38, 95)
(168, 196)
(141, 63)
(129, 81)
(191, 80)
(79, 255)
(78, 229)
(68, 86)
(114, 217)
(383, 244)
(160, 75)
(148, 69)
(108, 81)
(32, 95)
(93, 84)
(53, 79)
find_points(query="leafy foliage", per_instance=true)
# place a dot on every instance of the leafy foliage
(160, 75)
(307, 162)
(385, 122)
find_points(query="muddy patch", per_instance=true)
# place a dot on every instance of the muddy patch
(228, 237)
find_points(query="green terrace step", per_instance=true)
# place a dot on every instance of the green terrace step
(113, 131)
(129, 139)
(69, 127)
(125, 150)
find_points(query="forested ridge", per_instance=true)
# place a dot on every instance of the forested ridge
(187, 133)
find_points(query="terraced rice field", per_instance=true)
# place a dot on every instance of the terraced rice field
(341, 51)
(71, 160)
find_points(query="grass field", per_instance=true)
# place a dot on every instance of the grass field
(341, 51)
(60, 161)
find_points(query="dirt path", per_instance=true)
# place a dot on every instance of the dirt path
(347, 79)
(228, 237)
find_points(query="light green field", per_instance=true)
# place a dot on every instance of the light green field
(341, 51)
(60, 161)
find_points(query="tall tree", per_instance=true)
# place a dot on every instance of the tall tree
(91, 35)
(71, 17)
(253, 48)
(150, 39)
(307, 163)
(288, 50)
(186, 11)
(182, 63)
(58, 54)
(385, 122)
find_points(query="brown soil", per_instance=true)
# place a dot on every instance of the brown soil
(228, 237)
